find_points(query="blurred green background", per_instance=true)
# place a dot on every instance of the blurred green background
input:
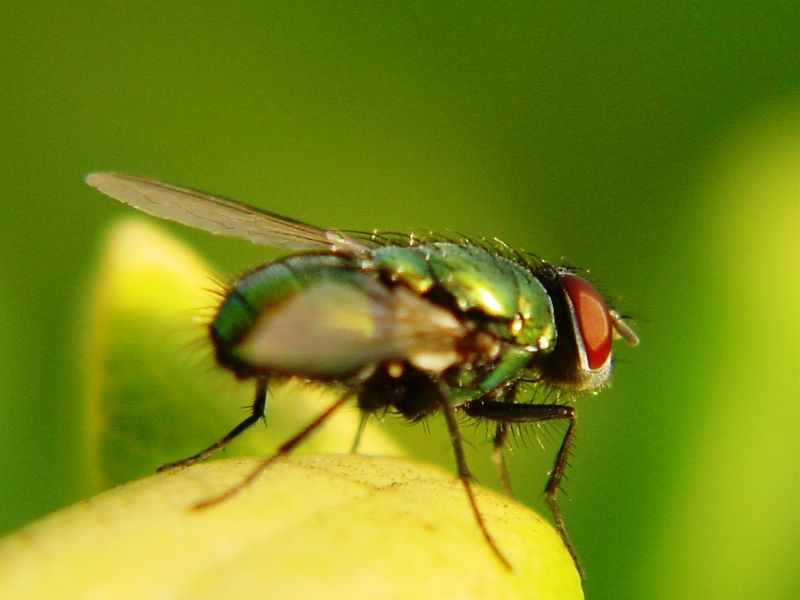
(658, 146)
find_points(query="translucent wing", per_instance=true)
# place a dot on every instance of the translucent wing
(218, 215)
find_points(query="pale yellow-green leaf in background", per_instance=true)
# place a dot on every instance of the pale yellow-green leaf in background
(154, 393)
(332, 526)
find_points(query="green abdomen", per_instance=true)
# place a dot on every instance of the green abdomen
(262, 293)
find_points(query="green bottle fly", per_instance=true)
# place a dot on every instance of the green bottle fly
(400, 323)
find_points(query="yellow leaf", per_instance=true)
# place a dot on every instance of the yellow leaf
(332, 526)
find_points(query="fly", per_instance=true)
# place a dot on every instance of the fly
(400, 323)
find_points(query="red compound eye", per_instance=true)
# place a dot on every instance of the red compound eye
(592, 319)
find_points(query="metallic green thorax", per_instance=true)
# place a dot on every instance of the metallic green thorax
(462, 290)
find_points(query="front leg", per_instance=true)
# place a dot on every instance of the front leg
(506, 413)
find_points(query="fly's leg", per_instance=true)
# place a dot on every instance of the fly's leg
(499, 442)
(465, 476)
(362, 424)
(259, 405)
(554, 482)
(499, 458)
(510, 412)
(285, 449)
